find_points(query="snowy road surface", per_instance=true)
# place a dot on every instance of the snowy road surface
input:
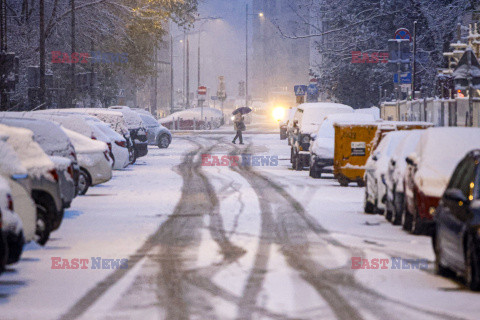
(227, 243)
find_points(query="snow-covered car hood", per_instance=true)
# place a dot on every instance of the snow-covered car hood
(85, 145)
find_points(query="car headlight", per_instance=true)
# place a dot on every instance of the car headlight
(306, 139)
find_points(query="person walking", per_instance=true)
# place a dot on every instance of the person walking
(239, 125)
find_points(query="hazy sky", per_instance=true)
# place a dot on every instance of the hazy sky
(222, 45)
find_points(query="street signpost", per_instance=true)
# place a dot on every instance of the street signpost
(403, 33)
(300, 92)
(400, 55)
(221, 92)
(202, 93)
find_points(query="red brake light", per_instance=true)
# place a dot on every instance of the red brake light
(54, 174)
(10, 202)
(121, 144)
(70, 170)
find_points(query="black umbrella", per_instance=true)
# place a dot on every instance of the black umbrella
(242, 110)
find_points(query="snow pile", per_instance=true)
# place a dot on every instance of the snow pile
(31, 155)
(10, 164)
(438, 153)
(315, 113)
(194, 113)
(324, 143)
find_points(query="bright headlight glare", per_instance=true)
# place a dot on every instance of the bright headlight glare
(278, 113)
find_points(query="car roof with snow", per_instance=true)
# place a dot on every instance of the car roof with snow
(132, 118)
(85, 145)
(10, 163)
(31, 155)
(47, 133)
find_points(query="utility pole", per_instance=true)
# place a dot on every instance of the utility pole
(188, 73)
(92, 79)
(184, 82)
(246, 55)
(171, 75)
(72, 65)
(155, 84)
(198, 62)
(414, 67)
(41, 93)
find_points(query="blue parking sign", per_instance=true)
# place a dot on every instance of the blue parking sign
(300, 90)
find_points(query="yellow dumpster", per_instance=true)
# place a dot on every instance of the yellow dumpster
(354, 142)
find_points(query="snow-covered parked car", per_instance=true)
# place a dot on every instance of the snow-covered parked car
(429, 169)
(376, 170)
(157, 134)
(55, 144)
(44, 180)
(12, 228)
(137, 130)
(88, 126)
(93, 158)
(307, 120)
(118, 143)
(289, 125)
(12, 170)
(322, 148)
(394, 205)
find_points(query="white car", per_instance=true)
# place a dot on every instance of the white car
(376, 169)
(12, 170)
(94, 160)
(119, 143)
(11, 223)
(44, 180)
(396, 171)
(322, 148)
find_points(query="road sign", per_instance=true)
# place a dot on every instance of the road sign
(402, 78)
(403, 33)
(300, 90)
(312, 90)
(202, 91)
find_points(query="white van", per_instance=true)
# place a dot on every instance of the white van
(307, 121)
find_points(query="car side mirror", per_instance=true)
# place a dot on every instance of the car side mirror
(455, 195)
(393, 162)
(374, 157)
(412, 159)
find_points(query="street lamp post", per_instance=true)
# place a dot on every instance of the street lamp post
(246, 50)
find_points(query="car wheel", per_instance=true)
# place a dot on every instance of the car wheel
(406, 220)
(316, 174)
(388, 214)
(417, 225)
(292, 155)
(163, 141)
(367, 205)
(298, 163)
(439, 268)
(472, 265)
(43, 228)
(15, 248)
(360, 183)
(343, 181)
(83, 182)
(132, 155)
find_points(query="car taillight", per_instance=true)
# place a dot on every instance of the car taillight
(109, 146)
(70, 170)
(54, 174)
(10, 202)
(121, 144)
(105, 153)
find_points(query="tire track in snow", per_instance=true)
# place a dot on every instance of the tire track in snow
(292, 227)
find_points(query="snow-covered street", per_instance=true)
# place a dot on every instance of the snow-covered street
(228, 242)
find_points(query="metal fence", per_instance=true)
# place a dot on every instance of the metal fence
(440, 112)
